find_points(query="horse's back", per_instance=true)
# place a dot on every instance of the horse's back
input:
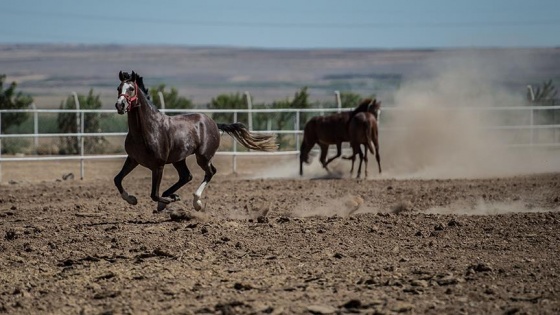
(330, 129)
(194, 133)
(201, 126)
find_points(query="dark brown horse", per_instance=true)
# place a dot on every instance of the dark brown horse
(327, 130)
(155, 139)
(362, 129)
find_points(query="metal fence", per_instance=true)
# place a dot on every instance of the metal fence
(529, 121)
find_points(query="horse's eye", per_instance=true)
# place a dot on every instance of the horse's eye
(131, 89)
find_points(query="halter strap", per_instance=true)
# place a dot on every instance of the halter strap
(132, 101)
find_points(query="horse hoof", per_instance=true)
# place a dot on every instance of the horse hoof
(129, 198)
(161, 206)
(175, 197)
(197, 204)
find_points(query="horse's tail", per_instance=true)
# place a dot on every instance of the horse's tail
(250, 140)
(370, 137)
(303, 157)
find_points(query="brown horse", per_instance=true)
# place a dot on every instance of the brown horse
(362, 129)
(327, 130)
(155, 139)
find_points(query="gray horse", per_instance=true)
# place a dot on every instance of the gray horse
(155, 139)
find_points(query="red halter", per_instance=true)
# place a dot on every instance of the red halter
(132, 101)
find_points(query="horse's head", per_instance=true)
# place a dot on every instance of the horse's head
(375, 108)
(128, 91)
(371, 105)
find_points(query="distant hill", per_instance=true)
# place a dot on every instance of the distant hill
(51, 72)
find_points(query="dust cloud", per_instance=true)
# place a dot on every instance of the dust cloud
(343, 207)
(438, 127)
(289, 168)
(442, 122)
(350, 204)
(483, 207)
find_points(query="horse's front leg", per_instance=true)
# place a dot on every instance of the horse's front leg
(323, 156)
(157, 174)
(129, 165)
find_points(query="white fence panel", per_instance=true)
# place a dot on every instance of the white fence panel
(528, 113)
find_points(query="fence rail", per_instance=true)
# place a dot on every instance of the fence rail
(529, 112)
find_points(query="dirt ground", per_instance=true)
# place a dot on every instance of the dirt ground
(279, 246)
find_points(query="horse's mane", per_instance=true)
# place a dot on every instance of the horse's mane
(140, 83)
(362, 107)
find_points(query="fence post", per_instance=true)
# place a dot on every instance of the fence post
(249, 110)
(531, 93)
(161, 101)
(80, 142)
(338, 101)
(296, 128)
(532, 127)
(35, 127)
(531, 100)
(234, 160)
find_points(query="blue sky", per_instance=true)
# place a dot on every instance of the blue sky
(387, 24)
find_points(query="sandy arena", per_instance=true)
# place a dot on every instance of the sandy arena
(278, 246)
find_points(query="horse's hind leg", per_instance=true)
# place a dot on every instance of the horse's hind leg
(129, 165)
(361, 155)
(209, 171)
(365, 159)
(351, 157)
(184, 177)
(323, 157)
(355, 149)
(377, 157)
(338, 153)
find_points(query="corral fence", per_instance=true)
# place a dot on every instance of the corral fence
(530, 127)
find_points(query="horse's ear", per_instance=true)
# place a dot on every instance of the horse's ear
(134, 76)
(123, 76)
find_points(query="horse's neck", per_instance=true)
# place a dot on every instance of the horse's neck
(362, 108)
(144, 118)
